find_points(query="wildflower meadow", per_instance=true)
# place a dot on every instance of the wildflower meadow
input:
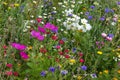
(59, 39)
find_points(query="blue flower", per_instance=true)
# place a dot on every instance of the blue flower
(92, 7)
(90, 17)
(84, 67)
(110, 35)
(102, 18)
(93, 75)
(52, 69)
(70, 15)
(107, 10)
(64, 72)
(87, 13)
(43, 73)
(74, 50)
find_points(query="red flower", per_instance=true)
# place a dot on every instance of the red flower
(15, 73)
(61, 42)
(82, 60)
(39, 20)
(80, 54)
(43, 50)
(66, 50)
(9, 65)
(54, 37)
(5, 47)
(67, 56)
(61, 53)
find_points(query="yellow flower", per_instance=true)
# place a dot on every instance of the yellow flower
(84, 9)
(79, 77)
(119, 20)
(16, 5)
(118, 71)
(106, 71)
(34, 2)
(72, 61)
(100, 72)
(5, 3)
(99, 52)
(30, 47)
(19, 64)
(9, 8)
(114, 78)
(60, 65)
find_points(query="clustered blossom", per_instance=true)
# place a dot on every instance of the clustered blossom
(21, 48)
(108, 37)
(73, 21)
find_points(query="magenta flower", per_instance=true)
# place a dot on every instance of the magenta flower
(41, 29)
(37, 35)
(40, 38)
(24, 55)
(51, 27)
(18, 46)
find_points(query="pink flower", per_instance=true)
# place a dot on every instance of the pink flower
(41, 29)
(24, 55)
(57, 47)
(9, 73)
(9, 65)
(18, 46)
(109, 38)
(104, 35)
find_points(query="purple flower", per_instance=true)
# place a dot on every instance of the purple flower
(43, 73)
(24, 55)
(70, 15)
(92, 7)
(107, 10)
(64, 72)
(90, 17)
(52, 69)
(93, 75)
(118, 3)
(110, 35)
(102, 18)
(87, 13)
(84, 67)
(18, 46)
